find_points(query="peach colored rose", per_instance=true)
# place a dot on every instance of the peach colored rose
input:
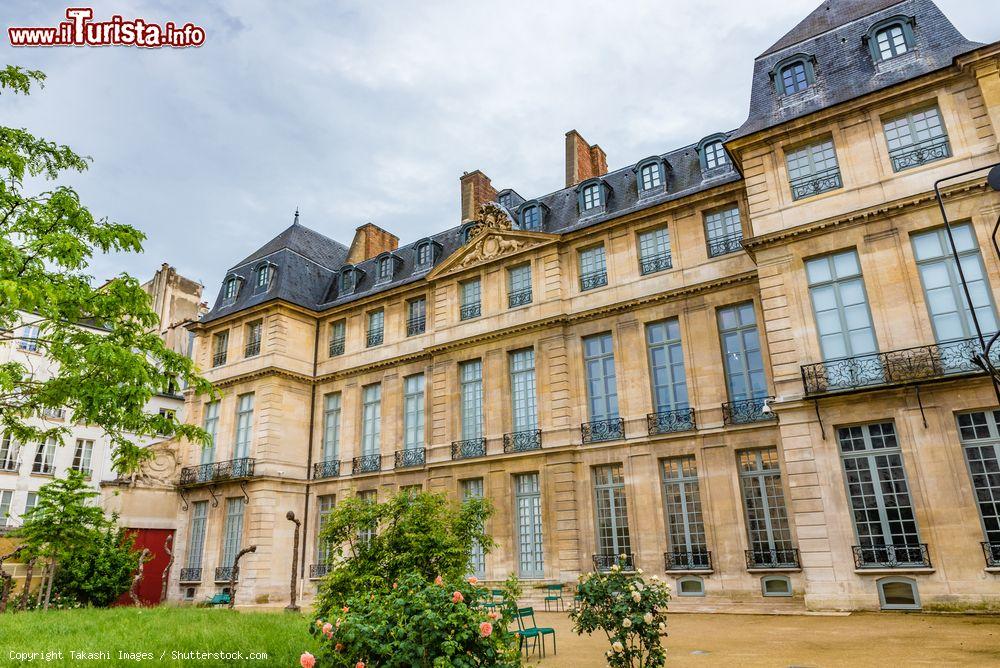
(439, 581)
(339, 646)
(360, 664)
(344, 609)
(485, 629)
(327, 628)
(457, 597)
(307, 660)
(473, 580)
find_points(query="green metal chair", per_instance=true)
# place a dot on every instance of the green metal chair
(221, 598)
(533, 632)
(555, 595)
(496, 599)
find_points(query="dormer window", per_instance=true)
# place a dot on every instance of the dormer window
(385, 270)
(715, 155)
(591, 196)
(504, 200)
(650, 176)
(423, 254)
(794, 75)
(531, 217)
(890, 38)
(348, 281)
(262, 278)
(231, 290)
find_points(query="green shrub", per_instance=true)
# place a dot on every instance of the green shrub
(98, 573)
(630, 610)
(415, 623)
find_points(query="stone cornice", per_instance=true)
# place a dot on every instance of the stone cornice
(825, 225)
(561, 320)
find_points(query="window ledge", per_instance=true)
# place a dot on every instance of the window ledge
(992, 569)
(779, 569)
(690, 571)
(919, 570)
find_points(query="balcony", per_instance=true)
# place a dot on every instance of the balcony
(190, 575)
(366, 464)
(227, 573)
(522, 441)
(519, 298)
(604, 562)
(697, 559)
(747, 411)
(251, 349)
(374, 337)
(891, 556)
(598, 431)
(206, 474)
(668, 422)
(655, 263)
(814, 184)
(594, 279)
(907, 366)
(318, 570)
(779, 559)
(470, 311)
(469, 448)
(218, 359)
(416, 325)
(336, 347)
(409, 457)
(920, 153)
(326, 469)
(992, 553)
(731, 243)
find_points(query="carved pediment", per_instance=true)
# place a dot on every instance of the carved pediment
(162, 469)
(492, 237)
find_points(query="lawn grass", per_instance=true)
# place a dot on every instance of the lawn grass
(159, 632)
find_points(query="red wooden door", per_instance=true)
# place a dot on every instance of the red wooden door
(151, 585)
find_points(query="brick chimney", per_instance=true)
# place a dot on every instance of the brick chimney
(476, 190)
(583, 161)
(369, 241)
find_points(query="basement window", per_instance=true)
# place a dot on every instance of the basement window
(690, 585)
(776, 585)
(898, 594)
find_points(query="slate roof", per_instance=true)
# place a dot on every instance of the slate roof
(833, 34)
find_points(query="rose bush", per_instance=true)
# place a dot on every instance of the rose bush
(630, 610)
(416, 622)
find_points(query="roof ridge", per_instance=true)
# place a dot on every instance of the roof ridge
(815, 23)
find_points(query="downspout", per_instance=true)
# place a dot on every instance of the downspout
(309, 455)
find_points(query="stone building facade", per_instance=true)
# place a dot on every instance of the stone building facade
(743, 363)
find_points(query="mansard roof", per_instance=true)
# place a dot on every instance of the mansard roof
(833, 36)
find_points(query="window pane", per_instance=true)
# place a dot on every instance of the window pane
(528, 506)
(611, 511)
(602, 387)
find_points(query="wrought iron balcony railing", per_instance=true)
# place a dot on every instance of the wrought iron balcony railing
(594, 279)
(992, 553)
(598, 431)
(326, 469)
(891, 556)
(655, 263)
(746, 411)
(469, 311)
(410, 457)
(920, 153)
(779, 558)
(336, 347)
(416, 325)
(233, 469)
(522, 441)
(519, 298)
(318, 570)
(688, 560)
(604, 562)
(227, 573)
(218, 359)
(251, 349)
(896, 367)
(814, 184)
(374, 337)
(469, 448)
(190, 575)
(366, 464)
(731, 243)
(668, 422)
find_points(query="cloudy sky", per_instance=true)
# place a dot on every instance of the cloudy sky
(362, 111)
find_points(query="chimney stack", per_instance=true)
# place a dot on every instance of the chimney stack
(370, 240)
(476, 191)
(583, 161)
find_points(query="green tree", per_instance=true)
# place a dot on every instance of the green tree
(100, 571)
(63, 522)
(373, 545)
(106, 373)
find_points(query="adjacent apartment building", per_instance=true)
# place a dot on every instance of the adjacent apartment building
(26, 467)
(742, 363)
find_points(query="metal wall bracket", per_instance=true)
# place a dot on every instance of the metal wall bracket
(184, 500)
(819, 419)
(920, 403)
(243, 488)
(215, 497)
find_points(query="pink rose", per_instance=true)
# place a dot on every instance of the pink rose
(327, 628)
(485, 629)
(307, 660)
(344, 609)
(473, 580)
(457, 597)
(439, 581)
(493, 614)
(360, 664)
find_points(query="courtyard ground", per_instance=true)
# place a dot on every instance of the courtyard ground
(867, 639)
